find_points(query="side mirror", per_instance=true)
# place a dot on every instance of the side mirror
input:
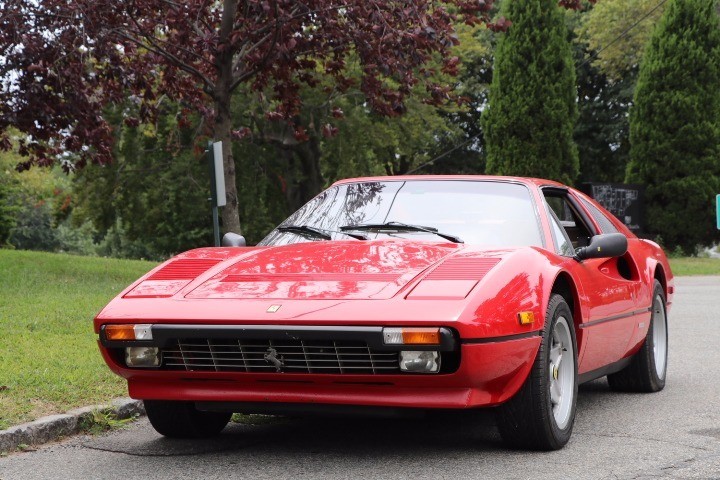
(231, 239)
(604, 246)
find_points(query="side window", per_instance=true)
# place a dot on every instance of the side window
(605, 225)
(557, 205)
(559, 235)
(569, 218)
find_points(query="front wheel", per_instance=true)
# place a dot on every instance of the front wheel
(183, 420)
(541, 415)
(647, 370)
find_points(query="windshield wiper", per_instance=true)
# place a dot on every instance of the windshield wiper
(317, 232)
(401, 227)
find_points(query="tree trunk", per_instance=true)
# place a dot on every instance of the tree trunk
(303, 158)
(312, 181)
(223, 133)
(222, 130)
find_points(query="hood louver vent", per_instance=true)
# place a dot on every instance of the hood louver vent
(463, 269)
(184, 269)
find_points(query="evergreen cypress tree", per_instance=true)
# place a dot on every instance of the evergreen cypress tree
(529, 124)
(675, 125)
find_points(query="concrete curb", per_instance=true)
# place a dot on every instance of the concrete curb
(53, 427)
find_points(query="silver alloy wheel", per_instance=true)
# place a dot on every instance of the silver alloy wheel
(659, 336)
(561, 366)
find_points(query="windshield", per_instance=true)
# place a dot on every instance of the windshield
(478, 212)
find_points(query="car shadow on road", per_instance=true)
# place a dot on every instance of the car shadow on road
(308, 435)
(432, 433)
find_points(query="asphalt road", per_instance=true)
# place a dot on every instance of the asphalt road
(672, 434)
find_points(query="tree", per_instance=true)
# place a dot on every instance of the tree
(614, 29)
(155, 192)
(610, 40)
(156, 184)
(675, 125)
(464, 154)
(529, 124)
(64, 62)
(337, 127)
(602, 128)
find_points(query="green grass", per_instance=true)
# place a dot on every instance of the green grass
(49, 360)
(686, 266)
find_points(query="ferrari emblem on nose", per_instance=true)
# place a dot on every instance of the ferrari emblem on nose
(271, 356)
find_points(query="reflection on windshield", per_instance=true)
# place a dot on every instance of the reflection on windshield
(480, 212)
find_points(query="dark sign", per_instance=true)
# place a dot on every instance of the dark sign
(625, 201)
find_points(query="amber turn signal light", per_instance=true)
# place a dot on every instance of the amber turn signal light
(119, 332)
(128, 332)
(411, 336)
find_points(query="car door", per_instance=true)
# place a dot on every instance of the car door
(608, 286)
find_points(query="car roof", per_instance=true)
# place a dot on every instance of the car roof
(487, 178)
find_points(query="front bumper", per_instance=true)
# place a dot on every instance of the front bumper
(487, 372)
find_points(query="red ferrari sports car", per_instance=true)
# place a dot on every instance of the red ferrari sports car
(421, 292)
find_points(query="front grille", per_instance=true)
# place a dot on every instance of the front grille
(287, 356)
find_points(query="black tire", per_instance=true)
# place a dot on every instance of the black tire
(527, 420)
(642, 373)
(183, 420)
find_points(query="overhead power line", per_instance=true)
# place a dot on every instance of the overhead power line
(588, 60)
(444, 154)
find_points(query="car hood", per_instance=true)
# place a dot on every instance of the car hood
(379, 282)
(324, 270)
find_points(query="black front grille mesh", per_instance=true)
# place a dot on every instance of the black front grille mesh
(288, 356)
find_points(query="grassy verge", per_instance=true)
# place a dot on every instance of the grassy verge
(695, 266)
(49, 361)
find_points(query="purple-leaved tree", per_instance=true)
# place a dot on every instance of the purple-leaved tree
(62, 63)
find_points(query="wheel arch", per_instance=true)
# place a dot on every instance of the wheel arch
(660, 276)
(564, 285)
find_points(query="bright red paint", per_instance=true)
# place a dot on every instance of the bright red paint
(395, 282)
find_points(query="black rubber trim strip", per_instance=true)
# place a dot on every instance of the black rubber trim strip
(615, 317)
(506, 338)
(606, 370)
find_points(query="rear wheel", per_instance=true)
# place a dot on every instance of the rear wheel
(183, 420)
(647, 370)
(541, 415)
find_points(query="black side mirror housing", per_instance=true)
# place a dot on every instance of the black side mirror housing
(604, 246)
(231, 239)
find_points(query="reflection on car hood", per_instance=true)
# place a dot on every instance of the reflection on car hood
(325, 270)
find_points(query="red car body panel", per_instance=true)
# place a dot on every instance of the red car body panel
(475, 292)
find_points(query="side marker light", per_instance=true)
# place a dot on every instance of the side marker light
(526, 318)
